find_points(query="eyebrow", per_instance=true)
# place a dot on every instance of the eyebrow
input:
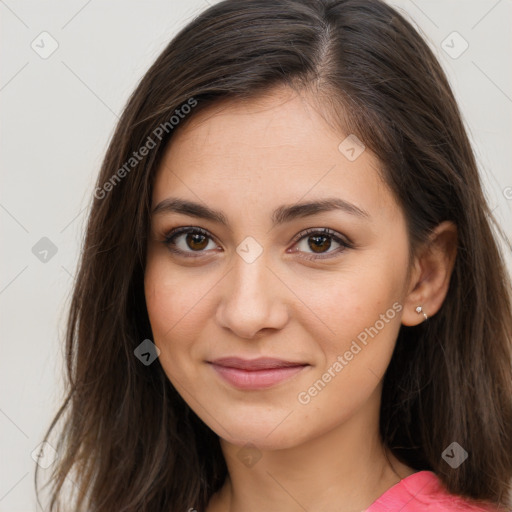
(280, 215)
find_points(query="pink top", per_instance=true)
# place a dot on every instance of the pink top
(424, 492)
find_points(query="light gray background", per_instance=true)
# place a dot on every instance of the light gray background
(57, 116)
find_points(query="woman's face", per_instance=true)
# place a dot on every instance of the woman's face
(261, 280)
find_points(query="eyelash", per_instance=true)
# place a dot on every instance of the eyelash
(345, 244)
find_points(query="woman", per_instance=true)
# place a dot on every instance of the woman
(290, 296)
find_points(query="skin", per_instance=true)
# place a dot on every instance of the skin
(247, 159)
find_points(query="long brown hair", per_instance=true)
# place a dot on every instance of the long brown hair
(128, 441)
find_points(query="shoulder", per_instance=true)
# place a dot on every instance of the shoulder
(424, 492)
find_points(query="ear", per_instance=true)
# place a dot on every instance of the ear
(430, 276)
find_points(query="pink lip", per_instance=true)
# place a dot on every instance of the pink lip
(256, 373)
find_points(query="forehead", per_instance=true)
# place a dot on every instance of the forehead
(277, 148)
(275, 125)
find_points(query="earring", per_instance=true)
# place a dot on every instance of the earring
(419, 310)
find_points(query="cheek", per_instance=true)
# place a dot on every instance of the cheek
(160, 294)
(365, 320)
(361, 304)
(173, 297)
(171, 315)
(171, 304)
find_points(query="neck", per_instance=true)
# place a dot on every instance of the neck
(343, 469)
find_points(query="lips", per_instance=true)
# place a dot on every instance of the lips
(262, 363)
(255, 374)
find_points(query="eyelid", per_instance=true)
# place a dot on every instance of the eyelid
(324, 231)
(187, 229)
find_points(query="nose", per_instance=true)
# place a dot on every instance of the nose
(253, 299)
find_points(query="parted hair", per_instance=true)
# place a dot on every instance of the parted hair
(126, 439)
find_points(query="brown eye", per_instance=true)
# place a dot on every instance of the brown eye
(187, 241)
(196, 241)
(319, 241)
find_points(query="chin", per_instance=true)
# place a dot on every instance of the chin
(267, 432)
(262, 441)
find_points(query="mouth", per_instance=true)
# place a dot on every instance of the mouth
(256, 374)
